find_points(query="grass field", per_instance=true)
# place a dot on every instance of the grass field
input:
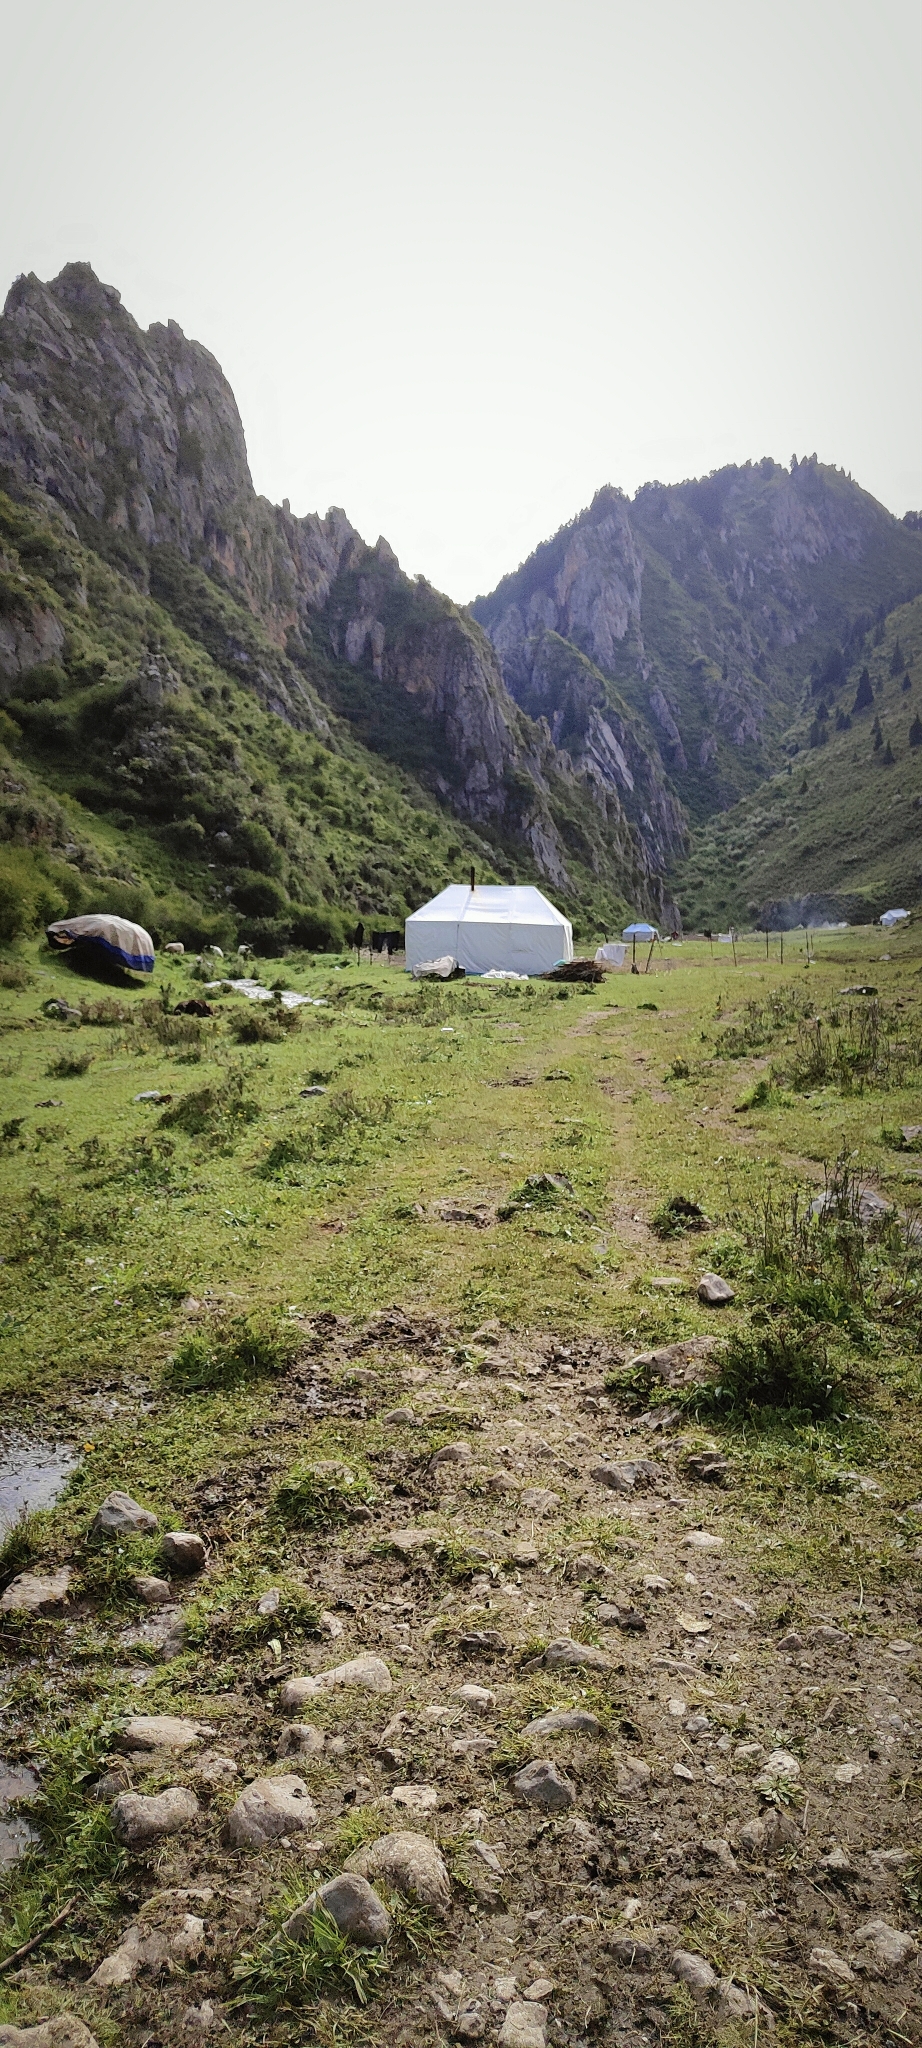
(495, 1183)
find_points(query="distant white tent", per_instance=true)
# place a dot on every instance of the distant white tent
(483, 928)
(891, 917)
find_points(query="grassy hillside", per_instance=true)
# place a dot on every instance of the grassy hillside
(844, 816)
(145, 767)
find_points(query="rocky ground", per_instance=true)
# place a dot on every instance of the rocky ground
(562, 1762)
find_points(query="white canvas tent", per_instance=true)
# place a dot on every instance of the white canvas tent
(508, 928)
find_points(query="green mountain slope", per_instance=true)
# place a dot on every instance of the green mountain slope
(128, 450)
(841, 823)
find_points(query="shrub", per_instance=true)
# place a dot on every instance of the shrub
(779, 1366)
(264, 1024)
(215, 1111)
(14, 975)
(321, 1495)
(285, 1972)
(678, 1215)
(69, 1064)
(259, 895)
(231, 1352)
(28, 898)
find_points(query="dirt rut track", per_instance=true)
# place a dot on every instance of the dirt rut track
(698, 1670)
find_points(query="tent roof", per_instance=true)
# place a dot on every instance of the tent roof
(640, 931)
(459, 904)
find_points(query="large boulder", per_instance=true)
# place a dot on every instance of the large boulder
(268, 1810)
(119, 1515)
(543, 1786)
(411, 1863)
(64, 2032)
(371, 1673)
(36, 1592)
(354, 1905)
(139, 1819)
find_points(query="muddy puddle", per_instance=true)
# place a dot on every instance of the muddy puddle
(17, 1783)
(32, 1474)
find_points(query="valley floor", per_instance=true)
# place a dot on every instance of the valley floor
(419, 1355)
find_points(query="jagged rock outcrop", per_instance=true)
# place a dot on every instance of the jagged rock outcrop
(702, 604)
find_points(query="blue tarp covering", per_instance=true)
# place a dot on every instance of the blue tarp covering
(640, 931)
(129, 945)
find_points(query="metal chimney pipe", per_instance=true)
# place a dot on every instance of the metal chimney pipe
(473, 881)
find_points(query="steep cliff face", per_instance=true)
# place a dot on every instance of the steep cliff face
(704, 604)
(137, 437)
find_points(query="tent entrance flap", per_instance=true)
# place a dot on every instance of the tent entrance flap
(492, 927)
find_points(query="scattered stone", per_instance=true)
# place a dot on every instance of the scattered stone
(780, 1764)
(485, 1642)
(417, 1798)
(153, 1592)
(827, 1637)
(165, 1632)
(268, 1810)
(682, 1771)
(505, 1988)
(563, 1652)
(539, 1500)
(701, 1539)
(212, 1769)
(411, 1863)
(119, 1515)
(624, 1477)
(371, 1673)
(138, 1819)
(488, 1856)
(201, 2019)
(525, 2025)
(770, 1834)
(575, 1722)
(882, 1950)
(832, 1969)
(66, 2031)
(542, 1785)
(620, 1614)
(354, 1905)
(714, 1291)
(476, 1698)
(653, 1583)
(166, 1936)
(270, 1602)
(473, 1745)
(400, 1417)
(846, 1774)
(633, 1775)
(838, 1863)
(184, 1552)
(300, 1738)
(541, 1989)
(693, 1624)
(693, 1971)
(36, 1592)
(793, 1642)
(630, 1952)
(716, 1850)
(161, 1731)
(902, 1649)
(708, 1466)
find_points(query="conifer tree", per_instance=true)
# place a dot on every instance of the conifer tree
(896, 659)
(878, 736)
(889, 756)
(915, 732)
(907, 682)
(864, 695)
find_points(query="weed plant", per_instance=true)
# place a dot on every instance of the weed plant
(231, 1352)
(321, 1495)
(69, 1065)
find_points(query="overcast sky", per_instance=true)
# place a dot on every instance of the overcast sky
(463, 263)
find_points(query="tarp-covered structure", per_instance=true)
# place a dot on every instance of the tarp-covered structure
(490, 927)
(116, 938)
